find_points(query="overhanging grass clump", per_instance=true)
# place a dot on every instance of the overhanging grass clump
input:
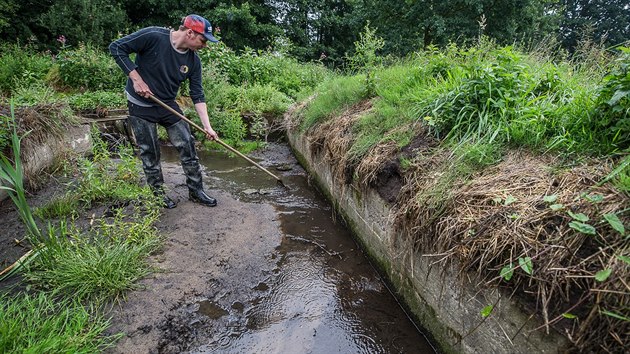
(511, 167)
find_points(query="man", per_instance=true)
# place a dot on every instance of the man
(164, 59)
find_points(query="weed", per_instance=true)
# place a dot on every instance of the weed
(20, 66)
(86, 68)
(13, 174)
(365, 58)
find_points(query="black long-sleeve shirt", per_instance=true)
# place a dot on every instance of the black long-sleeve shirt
(160, 65)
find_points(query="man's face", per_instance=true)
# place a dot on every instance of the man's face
(198, 40)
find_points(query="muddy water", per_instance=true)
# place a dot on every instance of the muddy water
(322, 295)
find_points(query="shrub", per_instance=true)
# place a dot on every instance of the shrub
(97, 99)
(86, 68)
(22, 66)
(264, 68)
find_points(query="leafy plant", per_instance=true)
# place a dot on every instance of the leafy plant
(507, 272)
(21, 66)
(579, 223)
(603, 274)
(86, 68)
(526, 265)
(615, 223)
(97, 99)
(365, 58)
(613, 118)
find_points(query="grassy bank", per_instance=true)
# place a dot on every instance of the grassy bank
(514, 166)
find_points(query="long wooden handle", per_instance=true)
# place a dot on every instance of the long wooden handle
(170, 109)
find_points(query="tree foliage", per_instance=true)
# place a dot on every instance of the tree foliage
(323, 29)
(90, 21)
(607, 22)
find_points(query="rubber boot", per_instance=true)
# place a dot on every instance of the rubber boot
(148, 143)
(180, 137)
(167, 202)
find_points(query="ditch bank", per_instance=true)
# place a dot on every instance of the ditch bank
(443, 300)
(45, 155)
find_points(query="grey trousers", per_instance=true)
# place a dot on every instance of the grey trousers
(180, 136)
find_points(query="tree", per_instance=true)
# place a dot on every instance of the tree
(20, 21)
(604, 21)
(88, 21)
(244, 25)
(326, 27)
(413, 24)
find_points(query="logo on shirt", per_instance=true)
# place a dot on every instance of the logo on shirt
(183, 69)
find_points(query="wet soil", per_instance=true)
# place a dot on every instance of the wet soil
(269, 270)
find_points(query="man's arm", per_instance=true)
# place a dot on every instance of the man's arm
(202, 111)
(122, 48)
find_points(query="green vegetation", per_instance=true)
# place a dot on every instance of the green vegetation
(22, 66)
(323, 30)
(456, 107)
(72, 266)
(42, 322)
(483, 95)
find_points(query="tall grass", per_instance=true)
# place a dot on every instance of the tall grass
(75, 266)
(334, 96)
(490, 95)
(100, 265)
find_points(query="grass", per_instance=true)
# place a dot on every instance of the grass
(99, 266)
(333, 96)
(484, 94)
(103, 263)
(12, 173)
(43, 323)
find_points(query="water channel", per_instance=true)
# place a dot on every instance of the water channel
(323, 296)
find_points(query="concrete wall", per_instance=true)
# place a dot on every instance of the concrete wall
(45, 155)
(448, 306)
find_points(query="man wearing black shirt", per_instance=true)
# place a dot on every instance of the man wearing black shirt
(164, 59)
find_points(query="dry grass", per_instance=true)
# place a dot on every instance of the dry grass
(36, 124)
(500, 216)
(333, 138)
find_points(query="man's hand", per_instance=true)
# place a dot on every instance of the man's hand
(139, 85)
(211, 134)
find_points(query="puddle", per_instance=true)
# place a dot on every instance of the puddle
(322, 295)
(211, 309)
